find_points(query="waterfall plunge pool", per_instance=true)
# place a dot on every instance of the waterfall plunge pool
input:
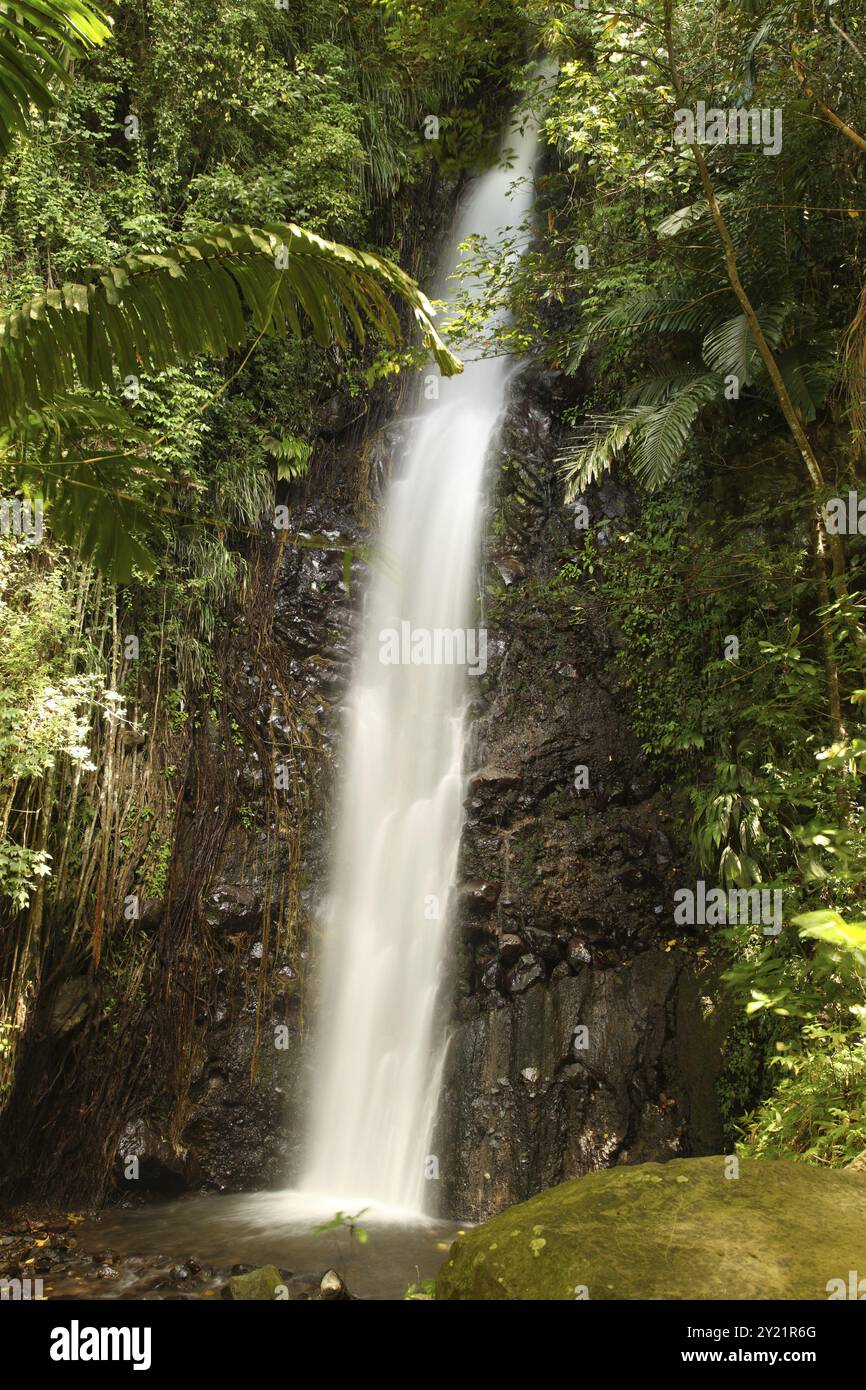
(189, 1246)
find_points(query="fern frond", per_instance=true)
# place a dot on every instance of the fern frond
(810, 370)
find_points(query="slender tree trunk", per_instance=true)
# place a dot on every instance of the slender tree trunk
(830, 665)
(107, 801)
(826, 110)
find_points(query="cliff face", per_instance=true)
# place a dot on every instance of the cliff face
(578, 1035)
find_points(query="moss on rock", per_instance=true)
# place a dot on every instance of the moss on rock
(257, 1283)
(678, 1230)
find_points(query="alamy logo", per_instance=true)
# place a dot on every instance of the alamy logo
(20, 1290)
(77, 1343)
(732, 126)
(19, 518)
(438, 646)
(855, 1288)
(737, 906)
(845, 516)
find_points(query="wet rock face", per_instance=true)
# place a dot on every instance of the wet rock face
(574, 1073)
(242, 1125)
(147, 1159)
(243, 1131)
(564, 1055)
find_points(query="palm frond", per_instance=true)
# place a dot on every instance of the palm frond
(657, 427)
(86, 460)
(665, 432)
(810, 371)
(152, 311)
(729, 347)
(47, 428)
(93, 508)
(655, 309)
(656, 389)
(587, 463)
(671, 310)
(687, 218)
(35, 35)
(149, 312)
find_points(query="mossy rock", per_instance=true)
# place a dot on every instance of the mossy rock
(670, 1230)
(258, 1283)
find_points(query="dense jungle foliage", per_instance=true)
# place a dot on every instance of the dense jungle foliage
(709, 303)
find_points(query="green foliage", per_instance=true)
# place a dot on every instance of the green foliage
(253, 115)
(150, 312)
(649, 305)
(420, 1292)
(344, 1222)
(154, 874)
(659, 426)
(20, 870)
(817, 1108)
(292, 455)
(189, 300)
(745, 738)
(40, 703)
(45, 707)
(37, 39)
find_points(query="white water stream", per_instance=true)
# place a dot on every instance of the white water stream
(380, 1037)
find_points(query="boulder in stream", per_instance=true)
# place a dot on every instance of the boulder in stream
(264, 1283)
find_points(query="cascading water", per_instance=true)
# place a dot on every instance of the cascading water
(380, 1040)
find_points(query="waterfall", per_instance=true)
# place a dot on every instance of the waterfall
(380, 1034)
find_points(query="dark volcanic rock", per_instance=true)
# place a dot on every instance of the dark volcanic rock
(577, 954)
(242, 1129)
(601, 1048)
(480, 896)
(528, 971)
(510, 948)
(491, 975)
(233, 907)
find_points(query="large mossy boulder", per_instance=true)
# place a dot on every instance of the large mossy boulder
(685, 1229)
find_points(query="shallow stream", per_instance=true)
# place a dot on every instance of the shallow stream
(190, 1247)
